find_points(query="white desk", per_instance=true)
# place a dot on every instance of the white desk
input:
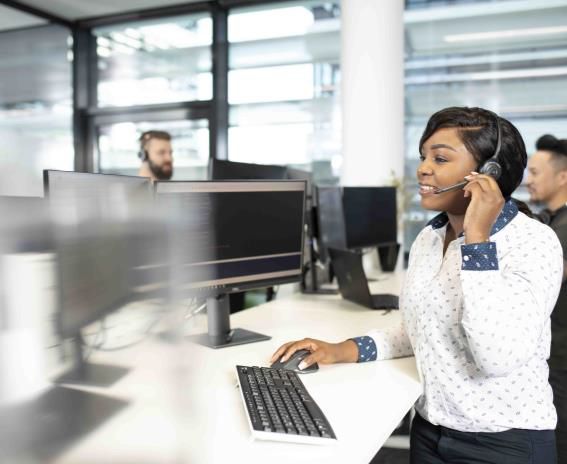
(177, 417)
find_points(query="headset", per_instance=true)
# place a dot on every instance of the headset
(144, 138)
(491, 166)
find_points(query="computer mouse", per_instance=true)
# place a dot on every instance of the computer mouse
(292, 364)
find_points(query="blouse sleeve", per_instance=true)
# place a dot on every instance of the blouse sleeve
(389, 343)
(508, 299)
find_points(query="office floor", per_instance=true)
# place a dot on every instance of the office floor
(399, 454)
(391, 456)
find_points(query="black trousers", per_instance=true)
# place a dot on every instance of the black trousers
(432, 444)
(558, 381)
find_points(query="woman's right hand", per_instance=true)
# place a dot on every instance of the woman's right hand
(321, 352)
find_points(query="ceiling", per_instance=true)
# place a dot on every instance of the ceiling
(524, 68)
(80, 9)
(14, 19)
(485, 27)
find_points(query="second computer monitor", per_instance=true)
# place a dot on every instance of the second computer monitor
(238, 235)
(242, 235)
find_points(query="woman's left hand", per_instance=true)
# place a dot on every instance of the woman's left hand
(485, 206)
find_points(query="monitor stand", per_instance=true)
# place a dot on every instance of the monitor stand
(91, 374)
(314, 288)
(220, 335)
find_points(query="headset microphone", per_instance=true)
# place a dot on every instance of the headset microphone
(491, 167)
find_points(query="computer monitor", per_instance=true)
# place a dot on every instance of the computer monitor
(370, 216)
(300, 174)
(91, 216)
(330, 215)
(316, 252)
(231, 170)
(244, 235)
(357, 217)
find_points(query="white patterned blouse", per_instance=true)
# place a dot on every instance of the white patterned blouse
(478, 322)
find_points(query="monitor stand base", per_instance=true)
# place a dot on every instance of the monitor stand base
(95, 375)
(320, 291)
(235, 337)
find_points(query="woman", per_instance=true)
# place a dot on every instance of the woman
(481, 283)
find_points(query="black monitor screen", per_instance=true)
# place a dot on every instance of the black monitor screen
(231, 170)
(242, 235)
(370, 216)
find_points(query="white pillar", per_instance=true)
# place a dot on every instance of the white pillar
(372, 67)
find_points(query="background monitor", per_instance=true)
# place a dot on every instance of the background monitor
(330, 213)
(357, 217)
(244, 235)
(231, 170)
(370, 216)
(300, 174)
(91, 216)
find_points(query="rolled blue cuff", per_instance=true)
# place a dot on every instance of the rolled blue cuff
(479, 257)
(366, 348)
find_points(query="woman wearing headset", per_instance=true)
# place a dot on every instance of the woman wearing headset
(481, 283)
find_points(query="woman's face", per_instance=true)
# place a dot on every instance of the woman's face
(444, 161)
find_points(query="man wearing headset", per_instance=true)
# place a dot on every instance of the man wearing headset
(156, 155)
(547, 184)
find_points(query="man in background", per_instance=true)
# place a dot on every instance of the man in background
(547, 184)
(156, 155)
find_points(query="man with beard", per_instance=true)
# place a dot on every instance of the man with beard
(547, 184)
(156, 155)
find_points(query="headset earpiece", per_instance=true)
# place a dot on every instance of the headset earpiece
(492, 169)
(142, 152)
(492, 166)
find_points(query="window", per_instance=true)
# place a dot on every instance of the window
(155, 61)
(284, 84)
(35, 107)
(508, 56)
(165, 66)
(118, 147)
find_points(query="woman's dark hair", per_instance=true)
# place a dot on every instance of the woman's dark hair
(478, 130)
(550, 143)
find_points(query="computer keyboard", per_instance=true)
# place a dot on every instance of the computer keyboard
(280, 408)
